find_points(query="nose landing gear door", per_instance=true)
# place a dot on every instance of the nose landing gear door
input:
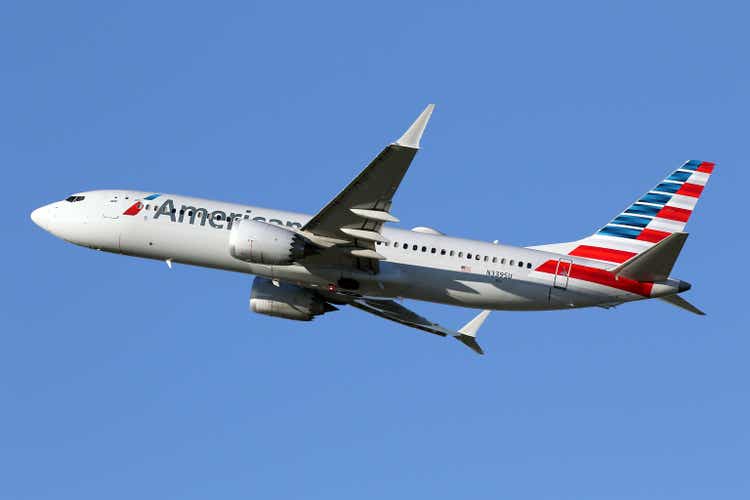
(112, 205)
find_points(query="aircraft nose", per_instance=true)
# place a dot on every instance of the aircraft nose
(41, 217)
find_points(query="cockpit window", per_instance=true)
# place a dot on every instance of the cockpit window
(72, 199)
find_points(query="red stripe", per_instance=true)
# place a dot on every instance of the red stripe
(674, 213)
(599, 253)
(601, 277)
(134, 209)
(688, 189)
(706, 166)
(652, 235)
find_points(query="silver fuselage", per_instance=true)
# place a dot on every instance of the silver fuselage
(417, 265)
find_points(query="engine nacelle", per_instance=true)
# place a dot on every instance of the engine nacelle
(264, 243)
(286, 301)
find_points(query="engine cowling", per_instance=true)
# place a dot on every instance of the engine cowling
(264, 243)
(286, 301)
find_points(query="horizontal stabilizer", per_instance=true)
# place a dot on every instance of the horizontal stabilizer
(654, 264)
(678, 301)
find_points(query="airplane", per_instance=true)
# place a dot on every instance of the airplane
(307, 266)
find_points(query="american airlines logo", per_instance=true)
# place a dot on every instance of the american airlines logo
(217, 219)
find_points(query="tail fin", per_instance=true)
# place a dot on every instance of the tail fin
(655, 216)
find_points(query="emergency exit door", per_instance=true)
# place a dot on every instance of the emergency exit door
(562, 273)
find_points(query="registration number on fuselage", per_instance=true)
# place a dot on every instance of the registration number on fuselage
(500, 275)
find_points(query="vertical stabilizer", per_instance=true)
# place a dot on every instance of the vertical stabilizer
(659, 213)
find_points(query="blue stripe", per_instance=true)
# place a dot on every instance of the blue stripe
(668, 187)
(691, 165)
(656, 198)
(637, 208)
(622, 232)
(631, 220)
(679, 176)
(152, 196)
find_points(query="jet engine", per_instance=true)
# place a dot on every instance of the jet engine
(264, 243)
(286, 301)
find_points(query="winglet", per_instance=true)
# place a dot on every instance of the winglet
(411, 137)
(468, 333)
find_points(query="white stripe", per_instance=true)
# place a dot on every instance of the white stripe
(700, 178)
(616, 243)
(666, 225)
(680, 201)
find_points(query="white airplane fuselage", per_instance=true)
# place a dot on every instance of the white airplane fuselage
(416, 265)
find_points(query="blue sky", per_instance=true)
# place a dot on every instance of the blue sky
(122, 379)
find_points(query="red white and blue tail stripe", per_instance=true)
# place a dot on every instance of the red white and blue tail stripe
(663, 210)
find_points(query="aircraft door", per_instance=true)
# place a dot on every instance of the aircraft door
(562, 274)
(111, 208)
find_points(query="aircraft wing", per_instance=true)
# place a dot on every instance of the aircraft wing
(354, 218)
(394, 311)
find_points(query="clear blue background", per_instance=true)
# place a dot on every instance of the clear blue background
(120, 379)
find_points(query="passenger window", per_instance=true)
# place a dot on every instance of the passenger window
(433, 250)
(442, 251)
(424, 249)
(511, 262)
(468, 256)
(494, 260)
(415, 247)
(148, 206)
(453, 253)
(528, 265)
(460, 254)
(478, 257)
(486, 258)
(502, 261)
(406, 246)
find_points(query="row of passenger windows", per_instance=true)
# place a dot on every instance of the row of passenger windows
(460, 254)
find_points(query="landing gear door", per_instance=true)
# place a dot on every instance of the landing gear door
(562, 274)
(112, 207)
